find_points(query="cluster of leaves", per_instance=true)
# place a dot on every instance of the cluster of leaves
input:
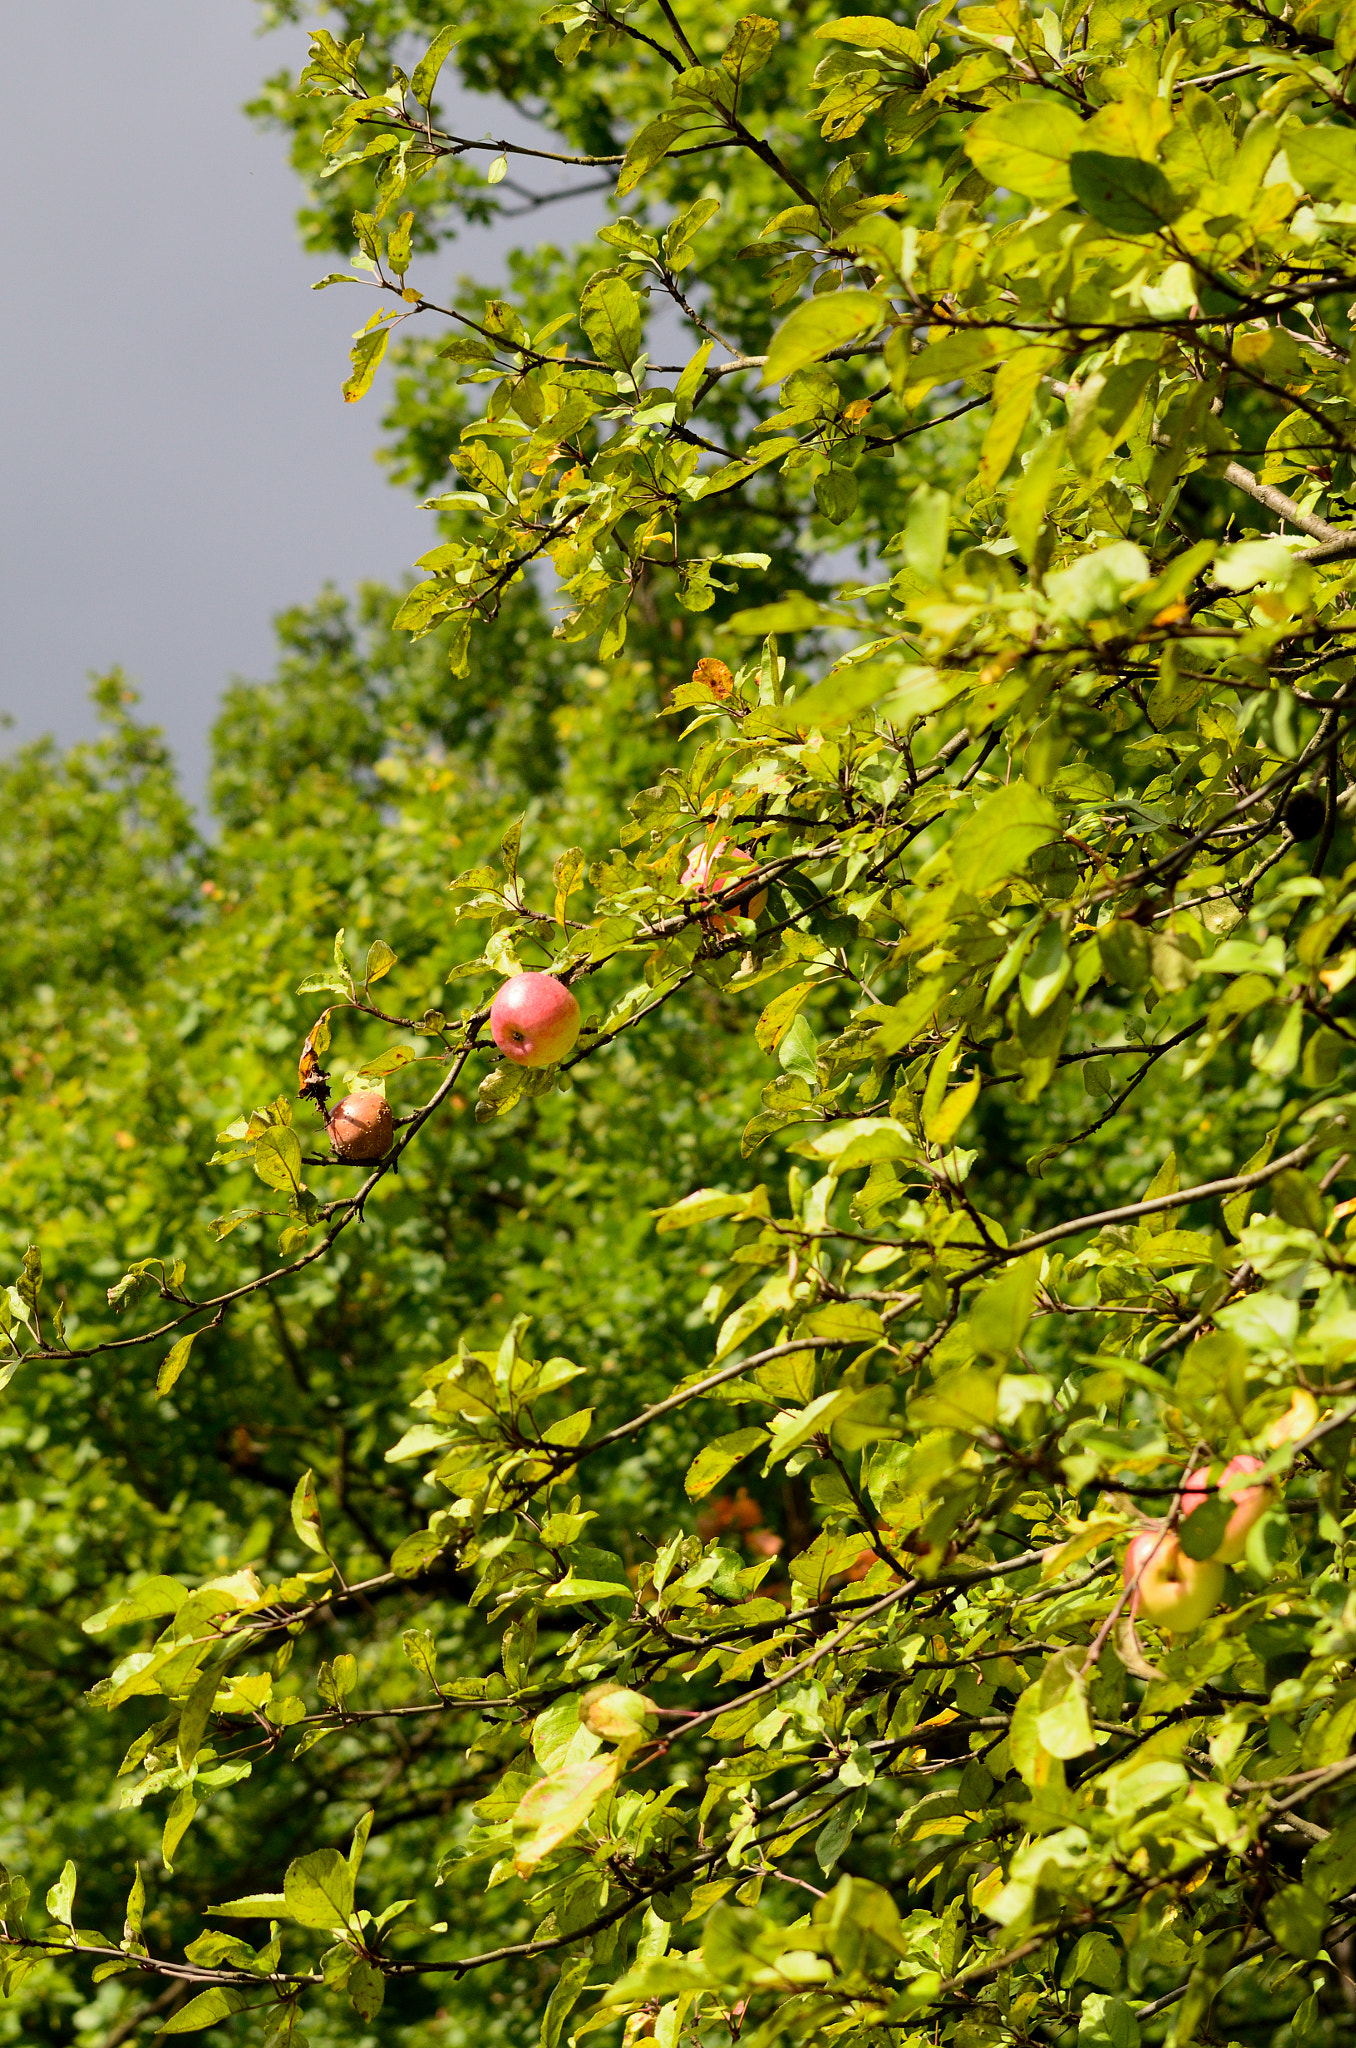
(1048, 891)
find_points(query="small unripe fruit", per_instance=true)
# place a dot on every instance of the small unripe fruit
(1174, 1591)
(712, 869)
(534, 1020)
(360, 1126)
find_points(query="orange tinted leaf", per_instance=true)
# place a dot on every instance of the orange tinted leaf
(715, 676)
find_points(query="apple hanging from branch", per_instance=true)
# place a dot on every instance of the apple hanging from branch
(1169, 1588)
(1252, 1503)
(534, 1020)
(360, 1126)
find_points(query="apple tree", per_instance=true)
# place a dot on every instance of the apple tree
(943, 464)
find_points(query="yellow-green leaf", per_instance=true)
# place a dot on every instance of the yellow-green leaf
(818, 327)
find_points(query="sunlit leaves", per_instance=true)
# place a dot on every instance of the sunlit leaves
(1026, 146)
(1043, 766)
(556, 1806)
(819, 327)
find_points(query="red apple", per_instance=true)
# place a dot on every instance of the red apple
(712, 868)
(1195, 1492)
(360, 1126)
(1253, 1502)
(1174, 1591)
(534, 1020)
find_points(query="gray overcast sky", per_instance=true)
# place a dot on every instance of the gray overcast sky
(178, 463)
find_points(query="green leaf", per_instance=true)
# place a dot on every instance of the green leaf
(366, 1987)
(846, 692)
(1014, 387)
(257, 1906)
(195, 1714)
(610, 315)
(61, 1895)
(1298, 1918)
(1124, 193)
(1062, 1723)
(216, 2003)
(592, 1575)
(565, 1995)
(646, 149)
(318, 1890)
(154, 1596)
(820, 326)
(702, 1207)
(177, 1824)
(838, 1830)
(424, 77)
(277, 1158)
(875, 32)
(681, 234)
(1026, 146)
(306, 1518)
(1202, 1531)
(1323, 158)
(1097, 583)
(998, 840)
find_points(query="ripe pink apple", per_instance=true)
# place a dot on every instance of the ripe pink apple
(534, 1020)
(360, 1126)
(711, 869)
(1174, 1591)
(1196, 1492)
(1253, 1502)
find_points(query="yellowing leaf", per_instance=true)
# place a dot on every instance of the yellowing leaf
(173, 1363)
(366, 353)
(715, 1459)
(1014, 387)
(947, 1120)
(1025, 147)
(874, 32)
(772, 1026)
(818, 327)
(425, 74)
(551, 1810)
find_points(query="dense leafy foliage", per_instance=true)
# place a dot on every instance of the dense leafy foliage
(741, 1536)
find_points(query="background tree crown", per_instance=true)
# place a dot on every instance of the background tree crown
(736, 1536)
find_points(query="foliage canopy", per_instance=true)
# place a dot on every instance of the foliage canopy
(644, 1559)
